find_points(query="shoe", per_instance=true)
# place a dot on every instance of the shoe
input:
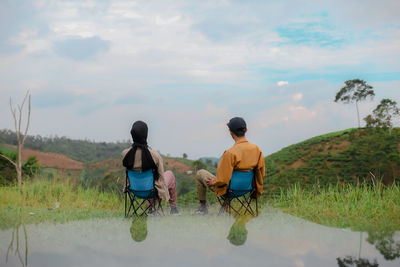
(174, 211)
(202, 210)
(152, 212)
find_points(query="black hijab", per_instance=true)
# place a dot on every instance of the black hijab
(139, 136)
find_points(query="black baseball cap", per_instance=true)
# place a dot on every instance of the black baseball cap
(237, 124)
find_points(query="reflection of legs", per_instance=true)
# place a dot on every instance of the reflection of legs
(202, 177)
(170, 181)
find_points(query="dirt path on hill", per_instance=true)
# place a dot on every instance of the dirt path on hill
(52, 160)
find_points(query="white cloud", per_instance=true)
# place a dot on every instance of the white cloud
(297, 97)
(285, 113)
(282, 83)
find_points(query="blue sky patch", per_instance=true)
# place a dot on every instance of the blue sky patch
(78, 49)
(10, 49)
(308, 34)
(50, 99)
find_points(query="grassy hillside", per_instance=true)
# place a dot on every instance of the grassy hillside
(349, 156)
(80, 150)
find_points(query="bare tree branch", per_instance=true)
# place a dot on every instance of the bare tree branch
(20, 120)
(14, 113)
(11, 244)
(7, 158)
(20, 145)
(29, 118)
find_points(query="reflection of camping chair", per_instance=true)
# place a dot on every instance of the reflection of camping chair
(241, 188)
(143, 197)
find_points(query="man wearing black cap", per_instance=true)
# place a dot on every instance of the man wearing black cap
(243, 156)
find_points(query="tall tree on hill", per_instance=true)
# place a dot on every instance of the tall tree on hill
(383, 114)
(354, 91)
(17, 115)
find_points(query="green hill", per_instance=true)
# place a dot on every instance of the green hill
(349, 156)
(81, 150)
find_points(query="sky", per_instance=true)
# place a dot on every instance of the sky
(187, 67)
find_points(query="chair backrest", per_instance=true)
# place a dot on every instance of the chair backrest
(141, 183)
(241, 182)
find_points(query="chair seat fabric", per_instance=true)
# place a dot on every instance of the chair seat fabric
(142, 183)
(241, 183)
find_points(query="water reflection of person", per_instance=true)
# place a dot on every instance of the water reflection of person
(139, 228)
(238, 234)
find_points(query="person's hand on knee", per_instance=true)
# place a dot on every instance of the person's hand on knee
(210, 182)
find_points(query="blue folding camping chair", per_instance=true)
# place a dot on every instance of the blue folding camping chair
(241, 188)
(141, 193)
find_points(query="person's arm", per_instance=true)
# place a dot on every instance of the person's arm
(123, 154)
(259, 175)
(160, 183)
(261, 164)
(224, 170)
(160, 166)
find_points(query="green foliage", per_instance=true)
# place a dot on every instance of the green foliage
(365, 208)
(290, 154)
(49, 173)
(354, 90)
(40, 197)
(8, 174)
(354, 156)
(92, 176)
(361, 208)
(184, 183)
(198, 165)
(31, 167)
(190, 199)
(384, 242)
(81, 150)
(382, 115)
(184, 161)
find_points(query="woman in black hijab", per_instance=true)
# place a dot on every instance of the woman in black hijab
(139, 135)
(141, 157)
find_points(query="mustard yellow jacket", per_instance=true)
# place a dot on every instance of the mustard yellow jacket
(243, 156)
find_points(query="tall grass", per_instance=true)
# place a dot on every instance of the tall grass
(45, 193)
(346, 206)
(366, 208)
(52, 200)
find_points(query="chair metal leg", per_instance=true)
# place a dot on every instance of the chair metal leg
(131, 204)
(125, 203)
(248, 208)
(160, 207)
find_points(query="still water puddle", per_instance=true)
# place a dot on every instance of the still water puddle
(272, 239)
